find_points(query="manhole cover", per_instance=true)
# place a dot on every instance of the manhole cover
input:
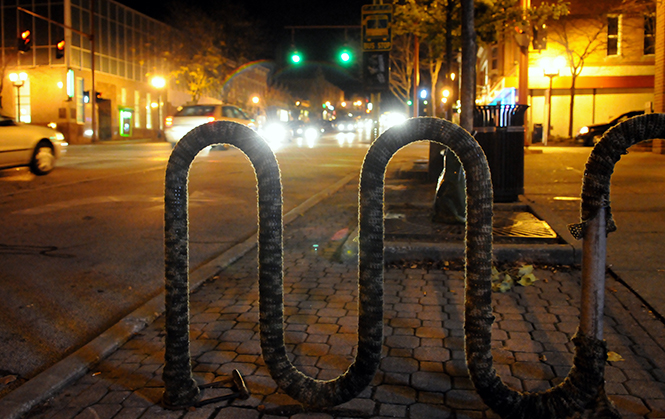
(521, 224)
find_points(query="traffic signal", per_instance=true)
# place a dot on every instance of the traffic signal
(25, 41)
(60, 49)
(522, 34)
(376, 71)
(345, 56)
(296, 57)
(540, 37)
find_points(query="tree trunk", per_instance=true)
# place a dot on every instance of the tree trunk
(571, 110)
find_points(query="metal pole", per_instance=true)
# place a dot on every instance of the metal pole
(594, 251)
(93, 92)
(416, 74)
(549, 110)
(18, 103)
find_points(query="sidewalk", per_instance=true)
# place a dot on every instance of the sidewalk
(422, 373)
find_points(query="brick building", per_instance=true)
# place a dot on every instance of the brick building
(619, 65)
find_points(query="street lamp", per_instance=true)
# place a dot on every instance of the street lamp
(18, 80)
(158, 83)
(551, 68)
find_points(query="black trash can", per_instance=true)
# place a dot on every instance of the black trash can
(500, 133)
(537, 133)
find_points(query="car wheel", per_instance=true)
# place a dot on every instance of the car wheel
(43, 159)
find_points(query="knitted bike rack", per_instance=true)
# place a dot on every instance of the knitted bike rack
(575, 393)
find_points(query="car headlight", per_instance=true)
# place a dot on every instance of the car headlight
(58, 136)
(311, 133)
(584, 130)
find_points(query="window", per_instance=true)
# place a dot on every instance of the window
(495, 58)
(613, 35)
(148, 113)
(137, 113)
(649, 34)
(80, 101)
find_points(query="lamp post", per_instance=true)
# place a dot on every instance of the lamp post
(18, 80)
(159, 83)
(551, 69)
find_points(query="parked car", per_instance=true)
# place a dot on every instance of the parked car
(589, 135)
(29, 145)
(189, 117)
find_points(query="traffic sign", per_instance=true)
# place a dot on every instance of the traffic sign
(376, 71)
(377, 27)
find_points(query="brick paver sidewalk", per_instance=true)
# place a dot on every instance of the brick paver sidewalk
(422, 373)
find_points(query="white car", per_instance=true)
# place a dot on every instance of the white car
(189, 117)
(29, 145)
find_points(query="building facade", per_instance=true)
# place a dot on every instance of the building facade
(128, 49)
(608, 53)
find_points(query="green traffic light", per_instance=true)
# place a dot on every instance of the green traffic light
(296, 58)
(345, 56)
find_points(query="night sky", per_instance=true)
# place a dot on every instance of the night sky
(318, 46)
(276, 15)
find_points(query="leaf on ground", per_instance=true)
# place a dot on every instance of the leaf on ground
(495, 273)
(527, 280)
(525, 270)
(614, 357)
(7, 379)
(505, 286)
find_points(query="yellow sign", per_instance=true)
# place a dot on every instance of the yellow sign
(377, 27)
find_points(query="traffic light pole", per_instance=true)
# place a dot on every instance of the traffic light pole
(91, 38)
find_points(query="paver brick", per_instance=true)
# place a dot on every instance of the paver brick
(422, 372)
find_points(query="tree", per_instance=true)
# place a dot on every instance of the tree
(208, 45)
(580, 38)
(401, 67)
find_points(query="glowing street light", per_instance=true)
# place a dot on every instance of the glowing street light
(159, 83)
(551, 68)
(18, 80)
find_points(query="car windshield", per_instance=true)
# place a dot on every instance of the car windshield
(198, 110)
(233, 112)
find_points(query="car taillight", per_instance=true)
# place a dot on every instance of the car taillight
(211, 118)
(168, 121)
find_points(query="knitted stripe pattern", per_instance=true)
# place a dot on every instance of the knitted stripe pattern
(600, 165)
(180, 389)
(571, 396)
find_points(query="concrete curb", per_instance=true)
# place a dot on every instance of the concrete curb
(55, 378)
(568, 253)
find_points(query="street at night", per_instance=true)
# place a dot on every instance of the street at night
(83, 246)
(469, 221)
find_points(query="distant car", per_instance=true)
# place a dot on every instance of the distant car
(191, 116)
(310, 130)
(590, 134)
(29, 145)
(345, 124)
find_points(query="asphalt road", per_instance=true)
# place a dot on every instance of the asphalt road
(83, 246)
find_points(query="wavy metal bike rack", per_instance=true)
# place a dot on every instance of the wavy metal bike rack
(582, 386)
